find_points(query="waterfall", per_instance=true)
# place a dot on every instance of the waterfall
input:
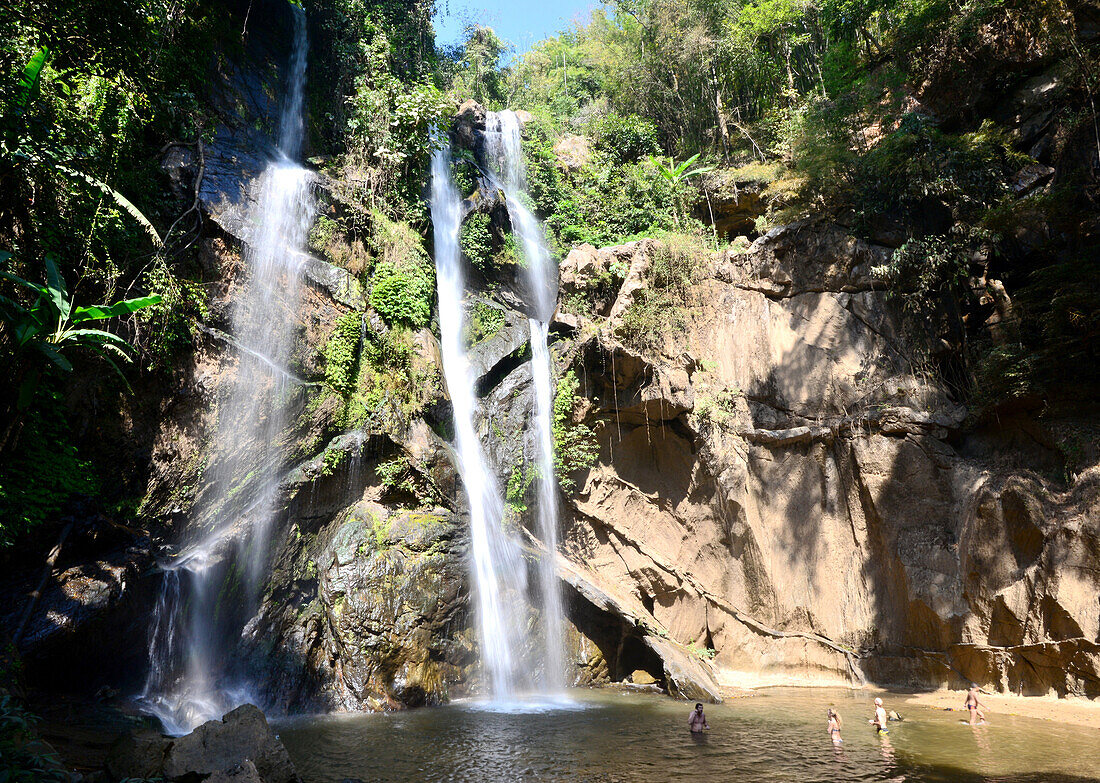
(498, 569)
(212, 587)
(504, 151)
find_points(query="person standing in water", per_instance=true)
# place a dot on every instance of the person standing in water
(977, 717)
(833, 725)
(879, 721)
(697, 721)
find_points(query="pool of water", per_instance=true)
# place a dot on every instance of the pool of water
(612, 737)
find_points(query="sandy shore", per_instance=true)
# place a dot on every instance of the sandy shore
(1081, 712)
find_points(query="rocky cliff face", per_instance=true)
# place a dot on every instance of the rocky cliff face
(780, 483)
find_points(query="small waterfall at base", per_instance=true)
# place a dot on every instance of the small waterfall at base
(498, 569)
(504, 149)
(212, 587)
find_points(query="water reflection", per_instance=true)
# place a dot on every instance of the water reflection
(616, 738)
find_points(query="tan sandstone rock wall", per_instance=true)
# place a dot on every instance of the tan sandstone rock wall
(780, 483)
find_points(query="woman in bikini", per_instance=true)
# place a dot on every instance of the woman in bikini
(833, 725)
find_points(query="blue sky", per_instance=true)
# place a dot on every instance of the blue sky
(521, 22)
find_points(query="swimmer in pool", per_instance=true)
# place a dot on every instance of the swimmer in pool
(977, 717)
(834, 726)
(697, 721)
(879, 721)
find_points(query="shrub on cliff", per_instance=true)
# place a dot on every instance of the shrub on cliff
(402, 281)
(575, 447)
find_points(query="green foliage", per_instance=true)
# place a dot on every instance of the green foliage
(43, 473)
(703, 652)
(168, 326)
(677, 173)
(969, 172)
(519, 484)
(922, 271)
(331, 460)
(1003, 372)
(475, 68)
(86, 122)
(374, 96)
(625, 139)
(718, 407)
(52, 325)
(394, 381)
(575, 447)
(342, 354)
(483, 321)
(465, 172)
(1060, 319)
(23, 758)
(399, 477)
(476, 240)
(402, 286)
(676, 263)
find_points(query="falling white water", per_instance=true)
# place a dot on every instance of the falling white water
(212, 587)
(503, 143)
(499, 574)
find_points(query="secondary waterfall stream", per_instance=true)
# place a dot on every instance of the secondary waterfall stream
(211, 588)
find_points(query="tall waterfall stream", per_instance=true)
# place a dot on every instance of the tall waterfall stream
(510, 668)
(504, 149)
(211, 588)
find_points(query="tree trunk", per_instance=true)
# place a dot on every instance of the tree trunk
(723, 128)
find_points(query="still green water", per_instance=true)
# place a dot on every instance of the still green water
(611, 737)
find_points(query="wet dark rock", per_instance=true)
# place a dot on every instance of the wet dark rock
(239, 748)
(468, 124)
(369, 614)
(243, 143)
(69, 639)
(138, 754)
(1030, 177)
(241, 737)
(489, 353)
(244, 772)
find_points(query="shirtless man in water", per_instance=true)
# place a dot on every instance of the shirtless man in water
(697, 721)
(977, 717)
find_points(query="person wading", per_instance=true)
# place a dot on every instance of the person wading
(697, 721)
(833, 725)
(977, 717)
(879, 721)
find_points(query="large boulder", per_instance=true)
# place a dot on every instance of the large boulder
(241, 737)
(239, 748)
(469, 123)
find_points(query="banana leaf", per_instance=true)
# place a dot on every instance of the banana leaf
(126, 307)
(30, 80)
(115, 196)
(56, 291)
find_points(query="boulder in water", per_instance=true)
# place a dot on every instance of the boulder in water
(239, 748)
